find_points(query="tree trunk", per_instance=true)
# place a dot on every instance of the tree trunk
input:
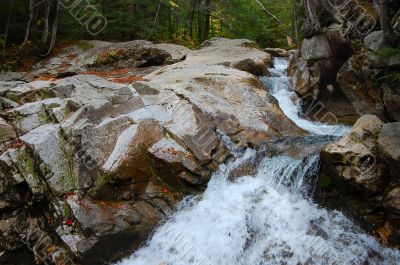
(7, 29)
(199, 20)
(45, 35)
(177, 26)
(295, 29)
(208, 20)
(396, 26)
(191, 18)
(54, 26)
(383, 9)
(28, 27)
(155, 20)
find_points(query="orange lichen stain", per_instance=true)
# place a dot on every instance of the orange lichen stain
(46, 77)
(122, 75)
(383, 234)
(69, 194)
(72, 56)
(51, 249)
(85, 206)
(16, 144)
(128, 80)
(62, 45)
(173, 151)
(109, 204)
(27, 64)
(112, 73)
(64, 66)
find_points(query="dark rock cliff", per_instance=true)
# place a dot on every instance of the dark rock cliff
(350, 63)
(346, 63)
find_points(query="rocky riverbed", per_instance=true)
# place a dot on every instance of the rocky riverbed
(97, 150)
(100, 142)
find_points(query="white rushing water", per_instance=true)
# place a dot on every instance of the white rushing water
(281, 87)
(262, 219)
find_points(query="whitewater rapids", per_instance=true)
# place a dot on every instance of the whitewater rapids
(265, 218)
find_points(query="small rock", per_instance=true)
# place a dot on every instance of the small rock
(392, 201)
(375, 41)
(389, 141)
(316, 48)
(7, 132)
(250, 66)
(277, 52)
(367, 126)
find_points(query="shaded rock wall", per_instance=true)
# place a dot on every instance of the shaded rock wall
(344, 64)
(359, 175)
(340, 63)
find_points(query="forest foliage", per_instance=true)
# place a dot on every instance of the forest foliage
(187, 22)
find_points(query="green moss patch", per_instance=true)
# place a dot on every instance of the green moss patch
(84, 45)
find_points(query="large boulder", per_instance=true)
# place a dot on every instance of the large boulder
(94, 55)
(359, 174)
(315, 69)
(359, 82)
(358, 86)
(356, 18)
(353, 158)
(316, 48)
(389, 147)
(320, 92)
(240, 54)
(391, 100)
(304, 81)
(333, 33)
(348, 71)
(98, 163)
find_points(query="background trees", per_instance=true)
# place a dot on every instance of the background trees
(33, 24)
(179, 20)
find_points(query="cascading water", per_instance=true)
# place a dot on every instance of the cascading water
(264, 218)
(281, 87)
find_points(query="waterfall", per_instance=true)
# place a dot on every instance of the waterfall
(263, 218)
(281, 87)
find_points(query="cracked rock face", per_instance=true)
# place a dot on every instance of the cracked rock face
(93, 165)
(359, 174)
(354, 157)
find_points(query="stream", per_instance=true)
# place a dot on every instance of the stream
(266, 217)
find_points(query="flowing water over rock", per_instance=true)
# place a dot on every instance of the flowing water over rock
(290, 103)
(266, 217)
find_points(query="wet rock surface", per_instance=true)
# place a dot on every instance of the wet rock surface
(347, 70)
(359, 175)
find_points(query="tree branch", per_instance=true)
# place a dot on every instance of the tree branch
(274, 17)
(155, 20)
